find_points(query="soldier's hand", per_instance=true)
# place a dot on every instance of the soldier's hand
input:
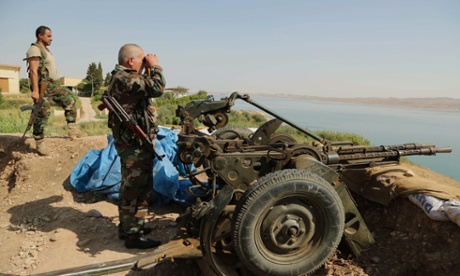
(35, 96)
(150, 60)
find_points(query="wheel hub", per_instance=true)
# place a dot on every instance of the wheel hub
(287, 227)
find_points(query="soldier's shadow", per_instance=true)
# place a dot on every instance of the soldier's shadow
(94, 234)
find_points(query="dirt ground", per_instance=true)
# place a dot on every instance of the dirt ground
(46, 226)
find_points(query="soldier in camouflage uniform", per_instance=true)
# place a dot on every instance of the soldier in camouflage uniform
(42, 68)
(134, 91)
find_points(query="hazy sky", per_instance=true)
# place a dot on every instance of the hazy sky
(331, 48)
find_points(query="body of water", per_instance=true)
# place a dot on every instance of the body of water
(382, 125)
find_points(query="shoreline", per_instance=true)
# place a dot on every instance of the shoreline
(444, 103)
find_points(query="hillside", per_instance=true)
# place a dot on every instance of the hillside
(45, 225)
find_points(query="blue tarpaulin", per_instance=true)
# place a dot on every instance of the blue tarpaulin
(99, 171)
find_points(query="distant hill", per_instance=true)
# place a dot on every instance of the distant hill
(438, 103)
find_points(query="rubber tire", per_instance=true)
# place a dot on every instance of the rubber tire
(232, 132)
(297, 188)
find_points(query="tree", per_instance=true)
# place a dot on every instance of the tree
(91, 72)
(93, 80)
(24, 86)
(108, 76)
(202, 94)
(178, 91)
(82, 86)
(99, 78)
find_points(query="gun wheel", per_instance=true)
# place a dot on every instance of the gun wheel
(232, 133)
(222, 119)
(217, 247)
(282, 138)
(288, 223)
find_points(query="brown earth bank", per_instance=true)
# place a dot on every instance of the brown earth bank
(45, 225)
(432, 103)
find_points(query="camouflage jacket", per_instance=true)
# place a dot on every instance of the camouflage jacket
(134, 93)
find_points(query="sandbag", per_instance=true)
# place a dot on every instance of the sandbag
(384, 183)
(432, 206)
(452, 210)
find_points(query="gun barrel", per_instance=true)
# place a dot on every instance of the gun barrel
(365, 149)
(26, 107)
(389, 154)
(107, 104)
(444, 150)
(425, 151)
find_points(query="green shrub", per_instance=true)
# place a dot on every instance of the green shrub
(343, 136)
(13, 121)
(331, 136)
(24, 86)
(250, 119)
(14, 101)
(166, 113)
(168, 104)
(95, 128)
(98, 94)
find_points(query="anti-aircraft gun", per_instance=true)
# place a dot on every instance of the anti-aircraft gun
(271, 205)
(265, 203)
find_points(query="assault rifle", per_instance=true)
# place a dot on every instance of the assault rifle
(36, 107)
(114, 107)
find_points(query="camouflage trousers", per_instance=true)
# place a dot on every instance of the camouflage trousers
(136, 186)
(61, 97)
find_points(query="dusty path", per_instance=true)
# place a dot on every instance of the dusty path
(88, 112)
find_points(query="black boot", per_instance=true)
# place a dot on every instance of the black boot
(141, 242)
(143, 231)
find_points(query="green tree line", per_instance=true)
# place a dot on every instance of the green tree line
(95, 83)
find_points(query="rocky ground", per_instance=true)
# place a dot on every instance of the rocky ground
(45, 225)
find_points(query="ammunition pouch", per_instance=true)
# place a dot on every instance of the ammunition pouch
(128, 136)
(145, 116)
(121, 132)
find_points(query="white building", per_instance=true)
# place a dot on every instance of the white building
(70, 83)
(9, 78)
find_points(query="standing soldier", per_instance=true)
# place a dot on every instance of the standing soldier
(42, 68)
(133, 91)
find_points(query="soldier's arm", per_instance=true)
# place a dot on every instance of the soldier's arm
(154, 80)
(34, 63)
(155, 83)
